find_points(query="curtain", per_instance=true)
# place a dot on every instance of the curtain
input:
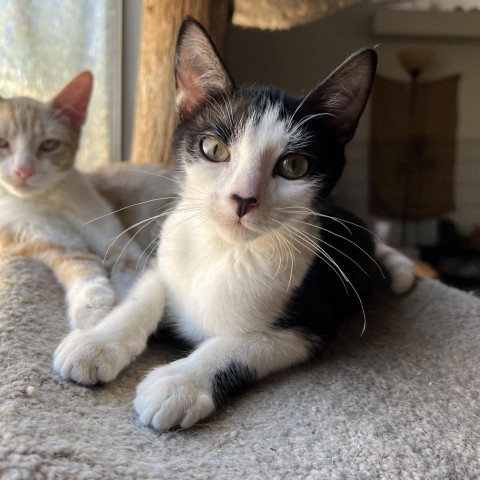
(412, 146)
(45, 43)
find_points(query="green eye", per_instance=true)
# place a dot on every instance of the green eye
(292, 167)
(214, 150)
(49, 145)
(3, 143)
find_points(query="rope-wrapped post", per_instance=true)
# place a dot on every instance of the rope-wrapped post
(154, 97)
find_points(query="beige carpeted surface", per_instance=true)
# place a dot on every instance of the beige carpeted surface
(402, 401)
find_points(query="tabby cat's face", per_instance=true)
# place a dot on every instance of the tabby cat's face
(256, 158)
(37, 146)
(38, 141)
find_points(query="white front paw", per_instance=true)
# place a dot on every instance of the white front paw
(88, 360)
(166, 399)
(90, 304)
(404, 277)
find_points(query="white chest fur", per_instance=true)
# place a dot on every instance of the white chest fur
(215, 287)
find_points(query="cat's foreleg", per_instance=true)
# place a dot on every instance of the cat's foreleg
(399, 267)
(99, 354)
(120, 253)
(187, 390)
(89, 294)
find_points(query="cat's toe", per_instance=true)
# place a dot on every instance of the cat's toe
(165, 400)
(86, 360)
(404, 278)
(91, 305)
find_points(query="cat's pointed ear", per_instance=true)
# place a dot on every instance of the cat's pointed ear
(73, 99)
(199, 70)
(345, 92)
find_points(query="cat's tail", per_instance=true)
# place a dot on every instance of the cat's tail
(398, 266)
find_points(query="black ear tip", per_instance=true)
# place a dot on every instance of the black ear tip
(367, 55)
(188, 23)
(373, 56)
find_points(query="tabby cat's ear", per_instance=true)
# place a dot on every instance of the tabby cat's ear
(345, 92)
(199, 70)
(73, 99)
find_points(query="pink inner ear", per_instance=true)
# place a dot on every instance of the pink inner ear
(73, 99)
(189, 93)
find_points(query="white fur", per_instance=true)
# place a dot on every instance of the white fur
(225, 279)
(399, 267)
(58, 216)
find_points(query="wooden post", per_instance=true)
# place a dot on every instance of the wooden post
(154, 103)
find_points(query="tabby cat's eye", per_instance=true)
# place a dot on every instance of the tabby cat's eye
(293, 166)
(49, 145)
(3, 143)
(214, 149)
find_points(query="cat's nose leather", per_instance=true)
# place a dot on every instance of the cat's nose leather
(243, 205)
(24, 172)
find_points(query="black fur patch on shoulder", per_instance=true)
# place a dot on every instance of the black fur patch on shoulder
(235, 378)
(323, 300)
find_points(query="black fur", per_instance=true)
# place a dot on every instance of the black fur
(322, 301)
(233, 379)
(318, 307)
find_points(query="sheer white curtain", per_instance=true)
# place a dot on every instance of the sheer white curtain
(45, 43)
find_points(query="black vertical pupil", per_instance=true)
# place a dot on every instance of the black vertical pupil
(215, 148)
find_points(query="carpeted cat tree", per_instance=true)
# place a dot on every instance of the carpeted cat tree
(400, 401)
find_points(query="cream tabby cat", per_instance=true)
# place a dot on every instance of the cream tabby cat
(45, 202)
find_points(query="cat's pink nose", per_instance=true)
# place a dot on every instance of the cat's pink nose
(24, 172)
(243, 205)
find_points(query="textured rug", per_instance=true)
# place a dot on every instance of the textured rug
(401, 401)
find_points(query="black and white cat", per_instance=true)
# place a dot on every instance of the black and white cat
(255, 267)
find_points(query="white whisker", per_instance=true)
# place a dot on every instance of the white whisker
(179, 182)
(129, 242)
(128, 206)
